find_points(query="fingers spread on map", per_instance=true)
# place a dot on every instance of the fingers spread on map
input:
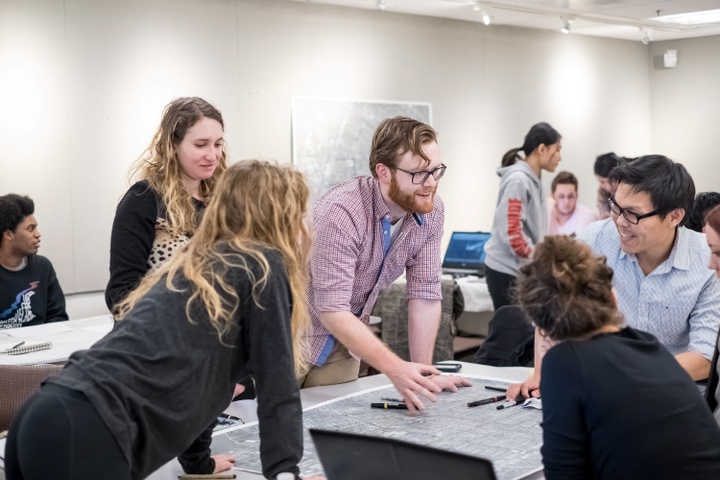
(451, 382)
(411, 380)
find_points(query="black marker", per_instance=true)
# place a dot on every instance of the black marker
(389, 406)
(485, 401)
(496, 389)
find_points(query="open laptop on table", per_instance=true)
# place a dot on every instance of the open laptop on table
(465, 254)
(349, 456)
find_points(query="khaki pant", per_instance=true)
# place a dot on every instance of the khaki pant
(340, 367)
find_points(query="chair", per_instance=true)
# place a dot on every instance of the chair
(510, 341)
(18, 383)
(392, 307)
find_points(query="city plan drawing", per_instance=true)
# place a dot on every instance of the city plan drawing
(510, 438)
(331, 138)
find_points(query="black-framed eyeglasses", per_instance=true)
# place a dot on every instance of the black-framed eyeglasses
(418, 178)
(631, 217)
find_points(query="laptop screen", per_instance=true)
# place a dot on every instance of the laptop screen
(466, 250)
(348, 456)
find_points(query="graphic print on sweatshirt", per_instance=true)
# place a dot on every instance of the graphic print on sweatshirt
(20, 311)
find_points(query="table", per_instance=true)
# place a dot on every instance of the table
(66, 337)
(313, 396)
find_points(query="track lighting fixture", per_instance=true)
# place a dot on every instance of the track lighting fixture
(646, 36)
(566, 22)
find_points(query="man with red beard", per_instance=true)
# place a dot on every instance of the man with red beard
(369, 230)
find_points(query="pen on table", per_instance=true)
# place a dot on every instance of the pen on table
(18, 345)
(485, 401)
(496, 389)
(389, 406)
(189, 476)
(507, 405)
(392, 399)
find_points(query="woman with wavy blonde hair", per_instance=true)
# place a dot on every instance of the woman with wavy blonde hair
(231, 304)
(175, 178)
(615, 403)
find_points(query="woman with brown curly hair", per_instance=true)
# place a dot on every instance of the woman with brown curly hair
(616, 403)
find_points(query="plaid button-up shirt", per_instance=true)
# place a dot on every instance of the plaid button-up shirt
(347, 270)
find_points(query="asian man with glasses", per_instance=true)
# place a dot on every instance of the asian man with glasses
(661, 280)
(368, 230)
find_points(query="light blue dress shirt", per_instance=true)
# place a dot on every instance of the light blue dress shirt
(678, 302)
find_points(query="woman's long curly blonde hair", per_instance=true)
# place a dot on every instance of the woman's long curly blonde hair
(257, 205)
(160, 166)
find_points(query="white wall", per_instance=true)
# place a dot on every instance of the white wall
(83, 83)
(685, 108)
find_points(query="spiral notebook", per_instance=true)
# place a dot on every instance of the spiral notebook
(22, 349)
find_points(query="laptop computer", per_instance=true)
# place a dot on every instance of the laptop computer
(349, 456)
(465, 254)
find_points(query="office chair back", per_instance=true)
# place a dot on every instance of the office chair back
(17, 384)
(510, 341)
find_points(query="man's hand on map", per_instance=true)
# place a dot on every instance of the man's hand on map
(413, 379)
(528, 388)
(450, 382)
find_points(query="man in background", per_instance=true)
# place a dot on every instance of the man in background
(368, 231)
(603, 166)
(29, 290)
(566, 216)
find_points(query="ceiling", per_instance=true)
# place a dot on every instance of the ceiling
(622, 19)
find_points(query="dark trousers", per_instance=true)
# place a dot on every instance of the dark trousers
(58, 435)
(500, 286)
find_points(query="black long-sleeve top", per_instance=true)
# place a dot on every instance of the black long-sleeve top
(139, 217)
(619, 406)
(159, 379)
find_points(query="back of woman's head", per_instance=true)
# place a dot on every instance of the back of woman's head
(566, 290)
(540, 134)
(257, 202)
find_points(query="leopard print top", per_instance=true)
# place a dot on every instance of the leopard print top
(165, 245)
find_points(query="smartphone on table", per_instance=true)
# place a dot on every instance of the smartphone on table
(448, 367)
